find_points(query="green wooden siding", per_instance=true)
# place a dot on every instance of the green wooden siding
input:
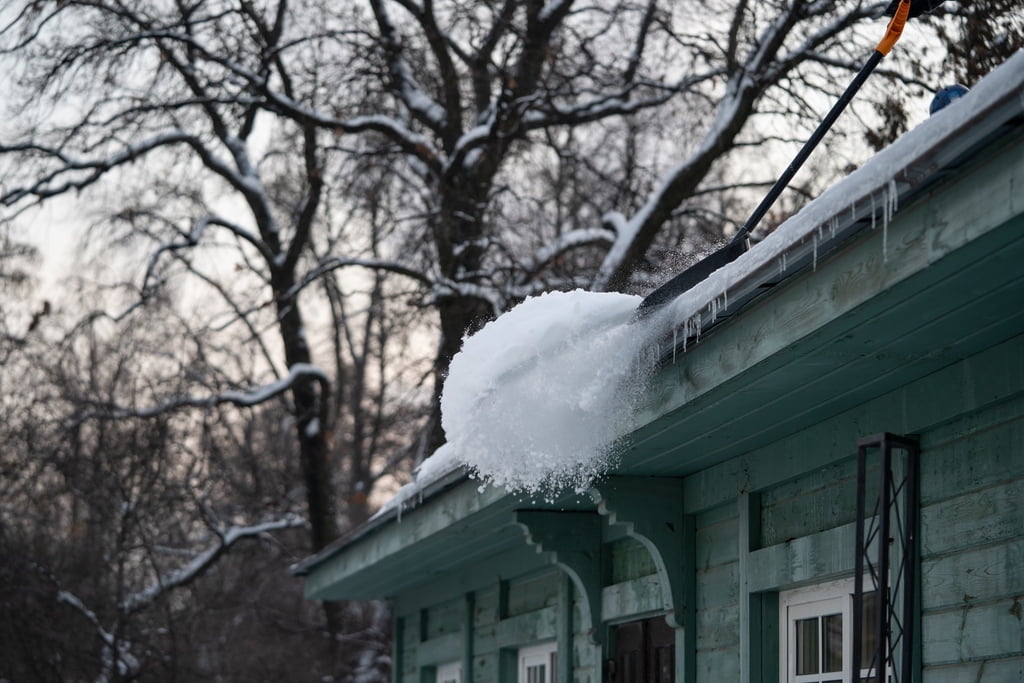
(972, 546)
(442, 619)
(532, 593)
(629, 559)
(500, 618)
(717, 581)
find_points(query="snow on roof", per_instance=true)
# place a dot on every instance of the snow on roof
(537, 396)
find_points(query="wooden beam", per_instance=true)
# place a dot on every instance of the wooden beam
(566, 628)
(468, 632)
(651, 511)
(750, 614)
(471, 577)
(573, 540)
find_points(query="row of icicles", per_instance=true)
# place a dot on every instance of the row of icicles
(693, 326)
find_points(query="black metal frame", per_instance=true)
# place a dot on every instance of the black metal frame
(888, 525)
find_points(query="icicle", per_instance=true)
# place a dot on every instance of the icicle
(675, 333)
(891, 201)
(725, 298)
(873, 211)
(833, 225)
(686, 333)
(815, 249)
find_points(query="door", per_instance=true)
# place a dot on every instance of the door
(644, 652)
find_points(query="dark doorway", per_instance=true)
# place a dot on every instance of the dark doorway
(645, 652)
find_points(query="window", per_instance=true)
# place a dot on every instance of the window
(449, 673)
(816, 630)
(537, 664)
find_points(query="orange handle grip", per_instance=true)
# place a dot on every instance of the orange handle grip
(895, 28)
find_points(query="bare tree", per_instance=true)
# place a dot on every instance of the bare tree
(460, 154)
(142, 548)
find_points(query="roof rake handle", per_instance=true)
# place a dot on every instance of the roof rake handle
(738, 244)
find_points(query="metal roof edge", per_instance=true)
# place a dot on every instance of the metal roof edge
(372, 525)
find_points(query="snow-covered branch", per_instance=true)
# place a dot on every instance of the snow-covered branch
(806, 49)
(242, 399)
(447, 288)
(193, 238)
(204, 560)
(421, 105)
(76, 173)
(560, 245)
(116, 659)
(335, 263)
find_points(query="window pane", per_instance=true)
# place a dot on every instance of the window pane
(806, 646)
(832, 641)
(535, 674)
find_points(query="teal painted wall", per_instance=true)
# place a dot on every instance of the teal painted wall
(502, 617)
(972, 526)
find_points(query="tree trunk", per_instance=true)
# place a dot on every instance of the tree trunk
(310, 401)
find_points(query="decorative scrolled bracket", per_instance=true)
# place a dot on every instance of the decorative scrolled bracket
(650, 509)
(574, 540)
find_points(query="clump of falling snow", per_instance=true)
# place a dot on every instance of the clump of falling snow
(536, 399)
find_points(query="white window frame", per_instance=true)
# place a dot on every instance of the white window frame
(450, 671)
(541, 654)
(834, 597)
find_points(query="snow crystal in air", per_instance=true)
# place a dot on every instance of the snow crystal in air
(536, 399)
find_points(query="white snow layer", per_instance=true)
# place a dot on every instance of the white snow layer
(539, 396)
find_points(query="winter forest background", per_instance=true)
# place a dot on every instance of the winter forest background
(240, 242)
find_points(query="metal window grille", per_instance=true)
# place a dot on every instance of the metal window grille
(883, 646)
